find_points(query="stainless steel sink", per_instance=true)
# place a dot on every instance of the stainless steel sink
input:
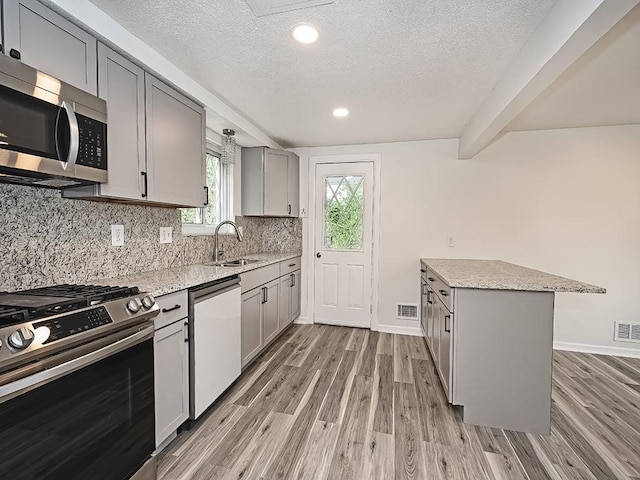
(239, 262)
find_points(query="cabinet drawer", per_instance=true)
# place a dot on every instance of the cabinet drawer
(290, 265)
(254, 278)
(441, 289)
(173, 306)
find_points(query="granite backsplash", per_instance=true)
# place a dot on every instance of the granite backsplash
(46, 239)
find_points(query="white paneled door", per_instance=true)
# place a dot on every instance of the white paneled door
(344, 234)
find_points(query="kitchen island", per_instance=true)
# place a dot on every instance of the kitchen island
(489, 327)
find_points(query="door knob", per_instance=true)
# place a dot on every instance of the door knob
(318, 255)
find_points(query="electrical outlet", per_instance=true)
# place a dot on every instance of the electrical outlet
(166, 235)
(303, 212)
(451, 241)
(117, 235)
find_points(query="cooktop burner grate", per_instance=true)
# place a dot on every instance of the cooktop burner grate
(44, 302)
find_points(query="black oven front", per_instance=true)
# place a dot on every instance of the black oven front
(89, 418)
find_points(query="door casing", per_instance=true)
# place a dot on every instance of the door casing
(375, 158)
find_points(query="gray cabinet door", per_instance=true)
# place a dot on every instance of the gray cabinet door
(285, 300)
(432, 332)
(50, 43)
(270, 311)
(295, 295)
(443, 323)
(121, 84)
(293, 188)
(175, 137)
(171, 369)
(276, 183)
(251, 323)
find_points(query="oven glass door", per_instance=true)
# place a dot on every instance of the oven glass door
(94, 423)
(34, 126)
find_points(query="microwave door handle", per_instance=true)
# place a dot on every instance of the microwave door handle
(74, 134)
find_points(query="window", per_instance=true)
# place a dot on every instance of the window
(219, 178)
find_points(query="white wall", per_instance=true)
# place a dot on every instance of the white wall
(563, 201)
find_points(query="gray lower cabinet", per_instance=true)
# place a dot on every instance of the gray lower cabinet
(271, 312)
(289, 298)
(251, 324)
(50, 43)
(171, 365)
(270, 182)
(260, 319)
(270, 302)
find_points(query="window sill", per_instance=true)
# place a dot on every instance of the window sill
(202, 230)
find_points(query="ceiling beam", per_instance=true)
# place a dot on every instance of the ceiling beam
(219, 114)
(567, 32)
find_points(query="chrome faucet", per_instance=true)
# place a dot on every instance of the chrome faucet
(216, 252)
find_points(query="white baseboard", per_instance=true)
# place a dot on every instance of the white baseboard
(303, 321)
(401, 330)
(598, 349)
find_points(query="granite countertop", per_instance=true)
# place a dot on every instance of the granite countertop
(162, 282)
(499, 275)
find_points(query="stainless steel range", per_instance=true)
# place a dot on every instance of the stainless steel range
(76, 383)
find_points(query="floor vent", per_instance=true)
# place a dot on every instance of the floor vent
(407, 311)
(627, 332)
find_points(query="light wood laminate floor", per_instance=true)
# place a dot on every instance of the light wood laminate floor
(340, 403)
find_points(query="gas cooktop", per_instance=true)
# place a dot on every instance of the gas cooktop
(39, 323)
(22, 306)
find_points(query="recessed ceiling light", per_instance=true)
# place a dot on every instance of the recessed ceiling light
(340, 112)
(305, 33)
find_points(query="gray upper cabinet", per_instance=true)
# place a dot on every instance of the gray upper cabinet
(121, 84)
(50, 43)
(155, 139)
(270, 182)
(175, 139)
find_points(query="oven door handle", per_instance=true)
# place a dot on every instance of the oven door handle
(26, 384)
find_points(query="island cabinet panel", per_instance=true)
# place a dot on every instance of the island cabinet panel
(503, 343)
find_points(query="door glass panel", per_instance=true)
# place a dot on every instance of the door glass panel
(344, 212)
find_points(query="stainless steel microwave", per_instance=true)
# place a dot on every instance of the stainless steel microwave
(51, 134)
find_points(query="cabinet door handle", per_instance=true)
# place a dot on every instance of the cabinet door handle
(447, 327)
(431, 279)
(443, 293)
(206, 199)
(146, 186)
(176, 307)
(292, 264)
(265, 295)
(423, 270)
(293, 280)
(289, 209)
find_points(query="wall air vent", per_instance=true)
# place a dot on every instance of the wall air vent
(407, 311)
(627, 332)
(262, 8)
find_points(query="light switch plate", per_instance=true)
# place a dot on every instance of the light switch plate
(451, 241)
(117, 235)
(166, 235)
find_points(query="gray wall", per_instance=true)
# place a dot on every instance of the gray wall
(45, 239)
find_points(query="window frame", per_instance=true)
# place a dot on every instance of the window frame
(225, 198)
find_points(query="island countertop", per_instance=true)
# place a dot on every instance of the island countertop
(500, 275)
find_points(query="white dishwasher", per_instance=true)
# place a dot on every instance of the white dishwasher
(214, 342)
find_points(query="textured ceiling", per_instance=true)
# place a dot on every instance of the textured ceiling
(601, 88)
(406, 69)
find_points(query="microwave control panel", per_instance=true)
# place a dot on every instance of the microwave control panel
(93, 143)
